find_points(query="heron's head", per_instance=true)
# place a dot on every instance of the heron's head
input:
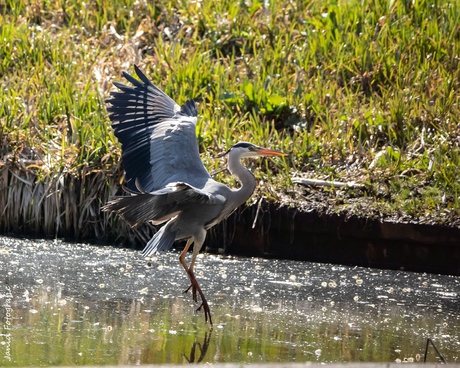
(245, 149)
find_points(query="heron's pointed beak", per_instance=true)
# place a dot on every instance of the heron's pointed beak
(269, 152)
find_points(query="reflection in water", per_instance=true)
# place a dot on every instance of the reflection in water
(203, 348)
(79, 305)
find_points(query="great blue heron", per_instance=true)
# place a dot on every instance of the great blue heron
(165, 177)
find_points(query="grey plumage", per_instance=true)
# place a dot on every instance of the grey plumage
(163, 240)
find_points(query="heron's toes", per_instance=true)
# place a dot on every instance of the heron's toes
(207, 311)
(193, 287)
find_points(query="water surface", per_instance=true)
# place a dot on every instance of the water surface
(77, 304)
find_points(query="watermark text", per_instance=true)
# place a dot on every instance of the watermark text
(7, 323)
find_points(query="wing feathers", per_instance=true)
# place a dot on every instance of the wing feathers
(163, 240)
(140, 117)
(158, 206)
(189, 108)
(142, 76)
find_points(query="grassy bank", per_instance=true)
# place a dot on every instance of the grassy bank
(363, 92)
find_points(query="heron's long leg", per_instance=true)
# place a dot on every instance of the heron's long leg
(194, 283)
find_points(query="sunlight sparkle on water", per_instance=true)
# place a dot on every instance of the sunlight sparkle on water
(119, 309)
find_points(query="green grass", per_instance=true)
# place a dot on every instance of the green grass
(363, 91)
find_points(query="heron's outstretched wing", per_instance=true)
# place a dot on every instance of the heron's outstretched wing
(161, 205)
(158, 136)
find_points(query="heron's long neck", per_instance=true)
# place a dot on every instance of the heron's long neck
(246, 178)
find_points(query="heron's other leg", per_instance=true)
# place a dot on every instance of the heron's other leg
(199, 240)
(184, 264)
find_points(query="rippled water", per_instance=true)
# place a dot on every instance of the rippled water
(67, 304)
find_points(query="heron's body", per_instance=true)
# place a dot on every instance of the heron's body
(165, 177)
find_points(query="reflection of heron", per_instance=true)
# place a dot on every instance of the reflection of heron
(165, 177)
(203, 349)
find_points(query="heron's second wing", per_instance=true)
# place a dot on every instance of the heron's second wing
(163, 204)
(158, 136)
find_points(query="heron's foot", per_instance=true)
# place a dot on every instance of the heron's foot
(193, 287)
(207, 311)
(196, 289)
(204, 303)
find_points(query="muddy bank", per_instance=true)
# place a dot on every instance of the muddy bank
(286, 232)
(68, 206)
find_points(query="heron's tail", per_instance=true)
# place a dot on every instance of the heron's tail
(163, 240)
